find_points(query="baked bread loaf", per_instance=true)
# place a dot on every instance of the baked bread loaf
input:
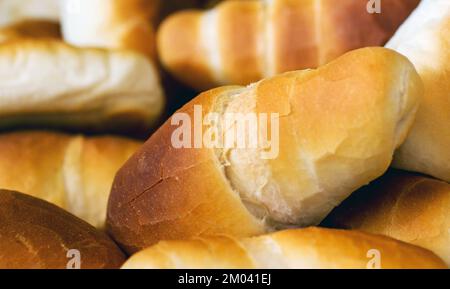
(311, 248)
(425, 40)
(49, 83)
(240, 42)
(338, 127)
(12, 11)
(35, 234)
(124, 24)
(30, 29)
(404, 206)
(73, 172)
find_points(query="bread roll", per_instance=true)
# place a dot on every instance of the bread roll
(35, 234)
(404, 206)
(312, 248)
(338, 127)
(30, 29)
(73, 172)
(12, 11)
(110, 24)
(425, 40)
(240, 42)
(49, 83)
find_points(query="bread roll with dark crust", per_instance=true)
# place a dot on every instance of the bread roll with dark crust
(35, 234)
(404, 206)
(73, 172)
(425, 39)
(338, 128)
(311, 248)
(240, 42)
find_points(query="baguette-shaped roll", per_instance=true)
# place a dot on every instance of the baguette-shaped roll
(73, 172)
(425, 40)
(49, 83)
(311, 248)
(124, 24)
(12, 11)
(404, 206)
(240, 42)
(30, 29)
(35, 234)
(338, 127)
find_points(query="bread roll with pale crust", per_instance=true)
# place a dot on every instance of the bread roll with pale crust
(12, 11)
(312, 248)
(338, 127)
(35, 234)
(118, 24)
(73, 172)
(404, 206)
(425, 39)
(240, 42)
(49, 83)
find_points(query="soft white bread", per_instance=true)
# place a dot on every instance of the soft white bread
(338, 128)
(114, 24)
(425, 40)
(404, 206)
(240, 42)
(30, 29)
(311, 248)
(73, 172)
(12, 11)
(47, 82)
(35, 234)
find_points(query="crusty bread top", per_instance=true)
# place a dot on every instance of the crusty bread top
(35, 234)
(405, 206)
(47, 82)
(338, 128)
(313, 248)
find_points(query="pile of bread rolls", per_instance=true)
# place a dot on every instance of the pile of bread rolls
(360, 99)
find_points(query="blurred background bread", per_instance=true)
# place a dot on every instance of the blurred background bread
(335, 136)
(425, 39)
(30, 29)
(311, 248)
(73, 172)
(12, 11)
(35, 234)
(404, 206)
(240, 42)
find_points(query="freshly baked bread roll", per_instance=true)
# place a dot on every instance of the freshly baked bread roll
(73, 172)
(311, 248)
(240, 42)
(12, 11)
(404, 206)
(425, 40)
(338, 127)
(49, 83)
(35, 234)
(110, 24)
(30, 29)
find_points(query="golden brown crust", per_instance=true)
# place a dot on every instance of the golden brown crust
(35, 234)
(404, 206)
(30, 29)
(75, 173)
(312, 248)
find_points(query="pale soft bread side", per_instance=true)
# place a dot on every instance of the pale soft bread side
(338, 128)
(425, 40)
(404, 206)
(49, 83)
(125, 24)
(35, 234)
(311, 248)
(30, 29)
(73, 172)
(239, 42)
(12, 11)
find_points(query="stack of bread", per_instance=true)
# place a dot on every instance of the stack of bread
(327, 187)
